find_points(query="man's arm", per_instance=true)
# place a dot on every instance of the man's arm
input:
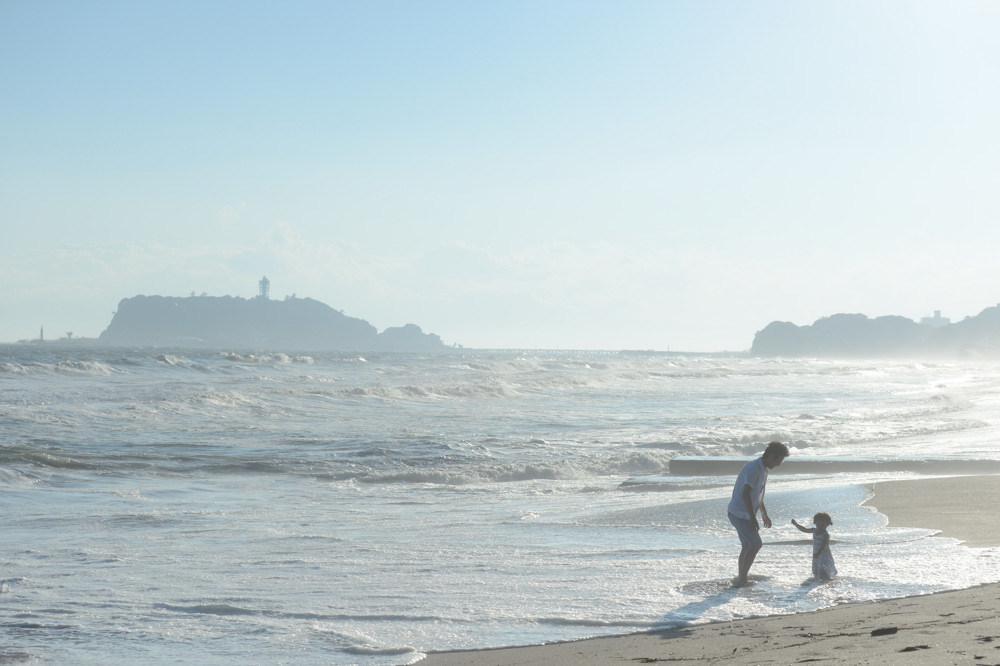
(763, 513)
(763, 509)
(748, 503)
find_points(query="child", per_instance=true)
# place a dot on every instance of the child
(823, 567)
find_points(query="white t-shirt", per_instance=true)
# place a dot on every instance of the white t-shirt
(753, 474)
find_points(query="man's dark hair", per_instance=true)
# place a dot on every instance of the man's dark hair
(777, 449)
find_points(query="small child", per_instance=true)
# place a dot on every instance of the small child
(823, 567)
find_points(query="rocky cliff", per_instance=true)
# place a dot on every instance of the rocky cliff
(257, 323)
(857, 336)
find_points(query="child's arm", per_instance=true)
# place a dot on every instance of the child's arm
(810, 530)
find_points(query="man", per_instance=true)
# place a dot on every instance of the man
(748, 498)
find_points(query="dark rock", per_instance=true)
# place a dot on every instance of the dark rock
(858, 336)
(257, 323)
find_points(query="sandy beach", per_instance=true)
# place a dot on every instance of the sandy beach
(952, 627)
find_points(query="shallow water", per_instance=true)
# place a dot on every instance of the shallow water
(178, 506)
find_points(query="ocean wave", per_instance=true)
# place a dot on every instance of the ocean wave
(635, 463)
(227, 400)
(368, 651)
(279, 358)
(229, 609)
(70, 367)
(41, 458)
(207, 609)
(183, 363)
(591, 622)
(84, 367)
(35, 626)
(346, 527)
(60, 462)
(358, 644)
(423, 463)
(408, 392)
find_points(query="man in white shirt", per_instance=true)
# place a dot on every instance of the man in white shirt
(748, 498)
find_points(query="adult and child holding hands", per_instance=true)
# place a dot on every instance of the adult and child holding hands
(748, 500)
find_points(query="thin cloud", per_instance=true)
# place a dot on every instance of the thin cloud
(328, 262)
(231, 214)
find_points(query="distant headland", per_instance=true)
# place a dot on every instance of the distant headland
(254, 323)
(857, 336)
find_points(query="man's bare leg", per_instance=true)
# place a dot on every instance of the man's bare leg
(747, 556)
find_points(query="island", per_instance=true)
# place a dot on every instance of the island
(858, 336)
(254, 323)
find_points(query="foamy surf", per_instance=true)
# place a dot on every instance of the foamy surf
(173, 505)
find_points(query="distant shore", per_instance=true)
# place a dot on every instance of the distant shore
(944, 628)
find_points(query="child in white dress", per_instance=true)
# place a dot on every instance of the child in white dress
(823, 567)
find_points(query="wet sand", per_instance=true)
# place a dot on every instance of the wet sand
(945, 628)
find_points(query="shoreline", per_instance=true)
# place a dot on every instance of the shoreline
(956, 506)
(955, 626)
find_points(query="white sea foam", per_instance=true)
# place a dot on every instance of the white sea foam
(201, 507)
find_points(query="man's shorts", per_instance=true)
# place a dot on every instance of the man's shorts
(749, 537)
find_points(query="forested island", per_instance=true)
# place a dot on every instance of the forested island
(254, 323)
(858, 336)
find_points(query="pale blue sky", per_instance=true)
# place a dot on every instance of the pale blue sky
(547, 174)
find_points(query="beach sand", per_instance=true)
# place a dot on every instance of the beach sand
(954, 627)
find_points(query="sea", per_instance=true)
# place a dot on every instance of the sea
(172, 506)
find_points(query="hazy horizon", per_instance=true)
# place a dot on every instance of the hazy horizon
(518, 175)
(859, 335)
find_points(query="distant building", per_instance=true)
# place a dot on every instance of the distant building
(936, 321)
(265, 287)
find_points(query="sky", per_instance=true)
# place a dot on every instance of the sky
(529, 174)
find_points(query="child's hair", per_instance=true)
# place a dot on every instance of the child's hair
(822, 515)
